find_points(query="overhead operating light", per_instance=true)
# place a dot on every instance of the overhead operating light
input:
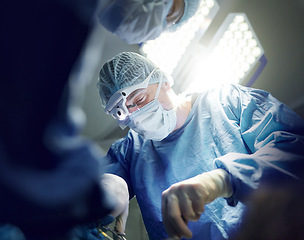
(167, 50)
(235, 51)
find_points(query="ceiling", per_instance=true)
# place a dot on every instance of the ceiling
(279, 25)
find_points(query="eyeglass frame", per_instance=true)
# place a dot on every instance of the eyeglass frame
(116, 106)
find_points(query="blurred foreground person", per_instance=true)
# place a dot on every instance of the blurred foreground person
(50, 176)
(274, 213)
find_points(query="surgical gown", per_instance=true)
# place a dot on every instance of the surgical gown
(243, 130)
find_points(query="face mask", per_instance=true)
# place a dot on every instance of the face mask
(152, 121)
(135, 21)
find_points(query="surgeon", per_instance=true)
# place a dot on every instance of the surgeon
(142, 20)
(191, 161)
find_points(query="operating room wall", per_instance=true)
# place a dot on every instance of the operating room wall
(279, 25)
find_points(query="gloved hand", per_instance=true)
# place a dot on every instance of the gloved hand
(117, 188)
(184, 201)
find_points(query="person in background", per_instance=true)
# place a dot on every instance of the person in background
(274, 213)
(143, 20)
(192, 161)
(50, 176)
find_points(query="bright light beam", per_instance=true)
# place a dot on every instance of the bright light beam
(167, 50)
(236, 51)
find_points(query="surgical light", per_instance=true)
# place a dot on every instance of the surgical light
(235, 52)
(167, 50)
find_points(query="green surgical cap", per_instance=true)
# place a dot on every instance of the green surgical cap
(126, 69)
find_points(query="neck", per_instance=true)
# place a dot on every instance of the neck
(182, 110)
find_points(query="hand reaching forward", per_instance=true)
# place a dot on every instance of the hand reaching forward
(184, 201)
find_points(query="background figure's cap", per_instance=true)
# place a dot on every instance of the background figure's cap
(134, 21)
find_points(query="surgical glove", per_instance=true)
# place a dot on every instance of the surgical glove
(117, 188)
(184, 201)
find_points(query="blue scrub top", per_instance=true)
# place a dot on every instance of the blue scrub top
(243, 130)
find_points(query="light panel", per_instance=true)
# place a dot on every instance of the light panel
(167, 50)
(235, 51)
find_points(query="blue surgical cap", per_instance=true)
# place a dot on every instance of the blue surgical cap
(135, 21)
(126, 69)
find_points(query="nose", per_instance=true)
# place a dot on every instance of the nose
(132, 107)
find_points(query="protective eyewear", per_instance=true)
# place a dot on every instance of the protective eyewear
(116, 105)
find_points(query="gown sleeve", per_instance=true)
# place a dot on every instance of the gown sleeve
(273, 133)
(117, 157)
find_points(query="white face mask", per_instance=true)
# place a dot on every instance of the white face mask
(152, 121)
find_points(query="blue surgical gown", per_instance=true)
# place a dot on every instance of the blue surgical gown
(243, 130)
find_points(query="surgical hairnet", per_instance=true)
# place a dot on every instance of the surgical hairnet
(126, 69)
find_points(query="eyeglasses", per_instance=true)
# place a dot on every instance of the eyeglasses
(116, 105)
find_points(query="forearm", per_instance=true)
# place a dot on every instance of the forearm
(267, 165)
